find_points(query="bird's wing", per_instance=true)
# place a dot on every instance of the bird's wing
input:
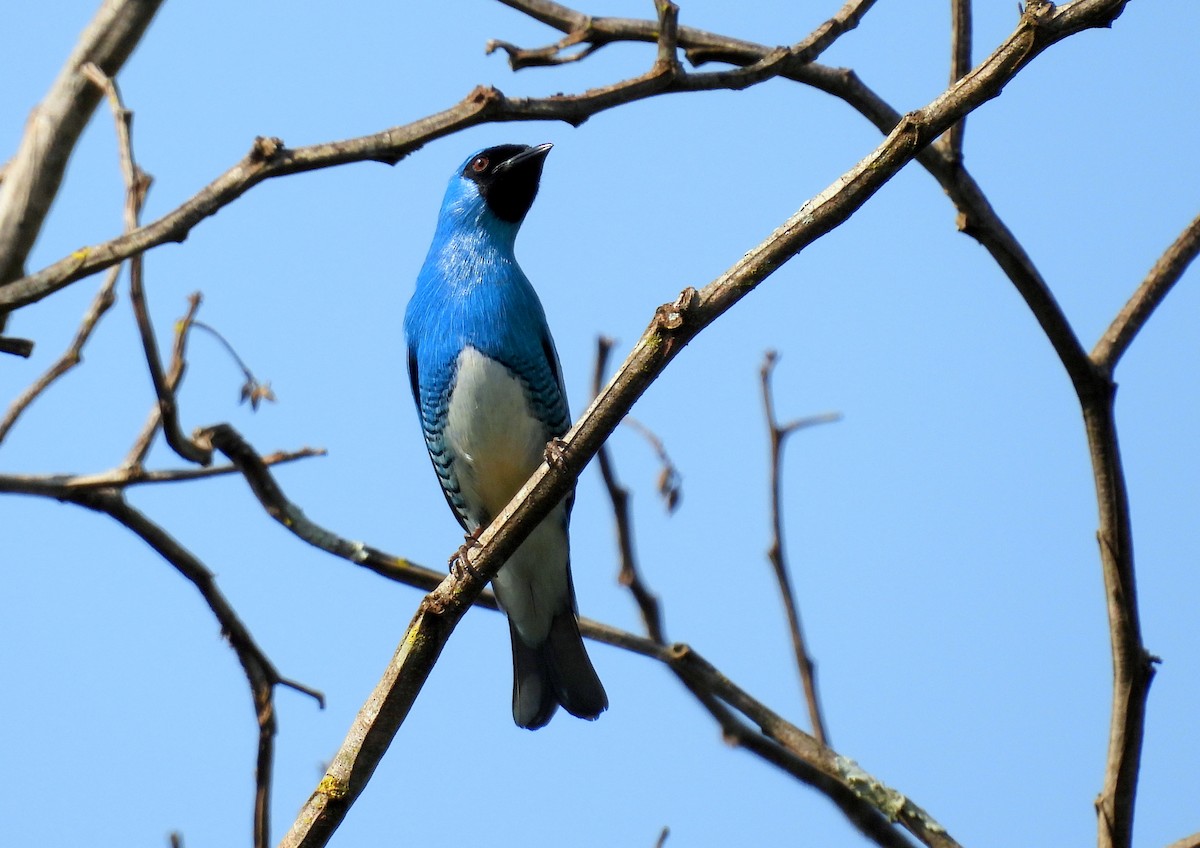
(414, 378)
(432, 420)
(550, 398)
(542, 375)
(561, 426)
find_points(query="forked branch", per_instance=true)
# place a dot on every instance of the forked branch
(777, 435)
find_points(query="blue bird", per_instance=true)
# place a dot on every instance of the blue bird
(489, 392)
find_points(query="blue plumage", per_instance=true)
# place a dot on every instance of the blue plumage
(489, 392)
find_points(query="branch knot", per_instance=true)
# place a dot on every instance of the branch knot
(265, 148)
(671, 316)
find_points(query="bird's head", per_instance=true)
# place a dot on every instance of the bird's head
(499, 182)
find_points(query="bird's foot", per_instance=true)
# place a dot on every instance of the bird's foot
(459, 562)
(556, 452)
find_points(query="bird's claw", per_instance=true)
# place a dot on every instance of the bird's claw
(460, 567)
(556, 452)
(459, 561)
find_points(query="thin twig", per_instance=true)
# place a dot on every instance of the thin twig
(960, 64)
(552, 54)
(1133, 316)
(777, 435)
(629, 575)
(846, 19)
(127, 477)
(1192, 841)
(669, 482)
(866, 802)
(104, 299)
(865, 817)
(174, 376)
(137, 185)
(168, 407)
(254, 469)
(253, 390)
(261, 674)
(667, 59)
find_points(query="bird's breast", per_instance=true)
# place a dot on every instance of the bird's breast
(496, 438)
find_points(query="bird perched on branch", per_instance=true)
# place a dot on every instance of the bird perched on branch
(489, 392)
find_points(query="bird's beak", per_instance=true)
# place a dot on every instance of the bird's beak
(528, 155)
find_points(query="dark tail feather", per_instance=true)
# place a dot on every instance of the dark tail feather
(533, 694)
(576, 684)
(556, 672)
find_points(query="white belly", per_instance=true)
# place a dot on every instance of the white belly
(497, 443)
(496, 439)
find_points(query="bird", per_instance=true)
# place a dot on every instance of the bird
(489, 392)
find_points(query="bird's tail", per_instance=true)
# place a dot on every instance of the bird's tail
(558, 671)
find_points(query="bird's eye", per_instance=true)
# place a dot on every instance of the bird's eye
(479, 164)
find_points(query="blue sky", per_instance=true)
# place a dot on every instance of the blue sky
(941, 536)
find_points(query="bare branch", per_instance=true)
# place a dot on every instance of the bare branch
(777, 435)
(169, 410)
(976, 217)
(261, 674)
(846, 19)
(73, 355)
(701, 46)
(254, 469)
(1041, 25)
(1133, 316)
(597, 32)
(866, 802)
(63, 486)
(520, 57)
(960, 63)
(174, 376)
(629, 576)
(1133, 665)
(13, 345)
(32, 177)
(1192, 841)
(669, 482)
(667, 59)
(269, 158)
(253, 390)
(136, 186)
